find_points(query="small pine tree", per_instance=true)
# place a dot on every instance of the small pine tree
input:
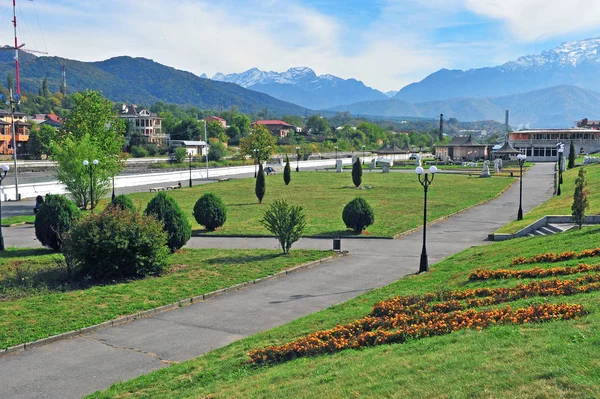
(53, 219)
(357, 173)
(122, 202)
(286, 222)
(580, 202)
(210, 211)
(358, 215)
(287, 171)
(260, 188)
(571, 163)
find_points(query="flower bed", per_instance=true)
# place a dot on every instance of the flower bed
(554, 257)
(412, 317)
(535, 272)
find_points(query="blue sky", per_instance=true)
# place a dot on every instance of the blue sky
(385, 43)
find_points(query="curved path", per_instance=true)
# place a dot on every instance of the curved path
(77, 366)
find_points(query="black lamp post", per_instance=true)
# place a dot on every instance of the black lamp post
(425, 182)
(561, 149)
(255, 163)
(336, 148)
(297, 159)
(2, 176)
(521, 158)
(113, 193)
(190, 164)
(363, 154)
(91, 167)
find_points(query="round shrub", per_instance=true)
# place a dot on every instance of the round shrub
(358, 215)
(210, 211)
(116, 243)
(53, 219)
(122, 202)
(138, 151)
(175, 222)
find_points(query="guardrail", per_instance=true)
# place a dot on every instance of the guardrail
(31, 190)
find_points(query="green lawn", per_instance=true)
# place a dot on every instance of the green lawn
(37, 299)
(561, 205)
(555, 359)
(18, 219)
(397, 199)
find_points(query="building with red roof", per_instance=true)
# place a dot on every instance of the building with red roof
(221, 121)
(276, 127)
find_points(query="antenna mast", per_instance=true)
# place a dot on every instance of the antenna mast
(16, 47)
(64, 79)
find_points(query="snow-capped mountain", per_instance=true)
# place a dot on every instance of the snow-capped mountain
(302, 86)
(573, 63)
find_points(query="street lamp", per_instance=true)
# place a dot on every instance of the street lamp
(255, 163)
(91, 169)
(190, 158)
(363, 154)
(561, 149)
(336, 148)
(521, 158)
(425, 182)
(297, 159)
(2, 176)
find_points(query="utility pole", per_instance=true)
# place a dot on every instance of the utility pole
(64, 79)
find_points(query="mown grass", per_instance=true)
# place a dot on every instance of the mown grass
(397, 199)
(18, 219)
(561, 205)
(38, 299)
(550, 360)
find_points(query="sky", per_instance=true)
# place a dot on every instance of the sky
(387, 44)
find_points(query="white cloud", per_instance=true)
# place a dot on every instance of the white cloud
(532, 20)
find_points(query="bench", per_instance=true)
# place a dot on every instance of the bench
(224, 179)
(173, 187)
(156, 189)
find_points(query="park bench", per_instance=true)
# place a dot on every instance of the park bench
(156, 189)
(173, 187)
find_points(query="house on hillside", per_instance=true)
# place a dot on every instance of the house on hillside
(147, 123)
(194, 147)
(47, 119)
(220, 121)
(462, 148)
(276, 127)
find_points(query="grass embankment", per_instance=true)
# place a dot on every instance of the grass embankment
(545, 360)
(38, 299)
(18, 219)
(561, 205)
(397, 199)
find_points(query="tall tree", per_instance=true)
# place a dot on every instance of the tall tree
(260, 187)
(287, 171)
(317, 125)
(357, 173)
(580, 201)
(91, 131)
(215, 130)
(572, 154)
(188, 129)
(40, 141)
(260, 139)
(45, 91)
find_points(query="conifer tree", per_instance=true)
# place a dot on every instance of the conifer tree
(357, 173)
(287, 171)
(571, 163)
(580, 202)
(260, 188)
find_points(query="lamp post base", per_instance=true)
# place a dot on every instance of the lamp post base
(520, 214)
(424, 266)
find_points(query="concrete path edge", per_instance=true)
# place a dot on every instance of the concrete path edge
(150, 312)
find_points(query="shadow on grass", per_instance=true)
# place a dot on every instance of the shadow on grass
(233, 260)
(250, 203)
(24, 252)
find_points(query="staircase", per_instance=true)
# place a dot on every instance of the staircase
(551, 228)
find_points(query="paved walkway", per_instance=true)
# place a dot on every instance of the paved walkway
(77, 366)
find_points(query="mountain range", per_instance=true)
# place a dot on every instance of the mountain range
(302, 86)
(573, 63)
(140, 81)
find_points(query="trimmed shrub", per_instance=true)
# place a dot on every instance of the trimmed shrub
(116, 243)
(287, 171)
(357, 173)
(138, 151)
(53, 219)
(260, 188)
(285, 222)
(175, 222)
(358, 215)
(580, 201)
(122, 202)
(210, 211)
(180, 154)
